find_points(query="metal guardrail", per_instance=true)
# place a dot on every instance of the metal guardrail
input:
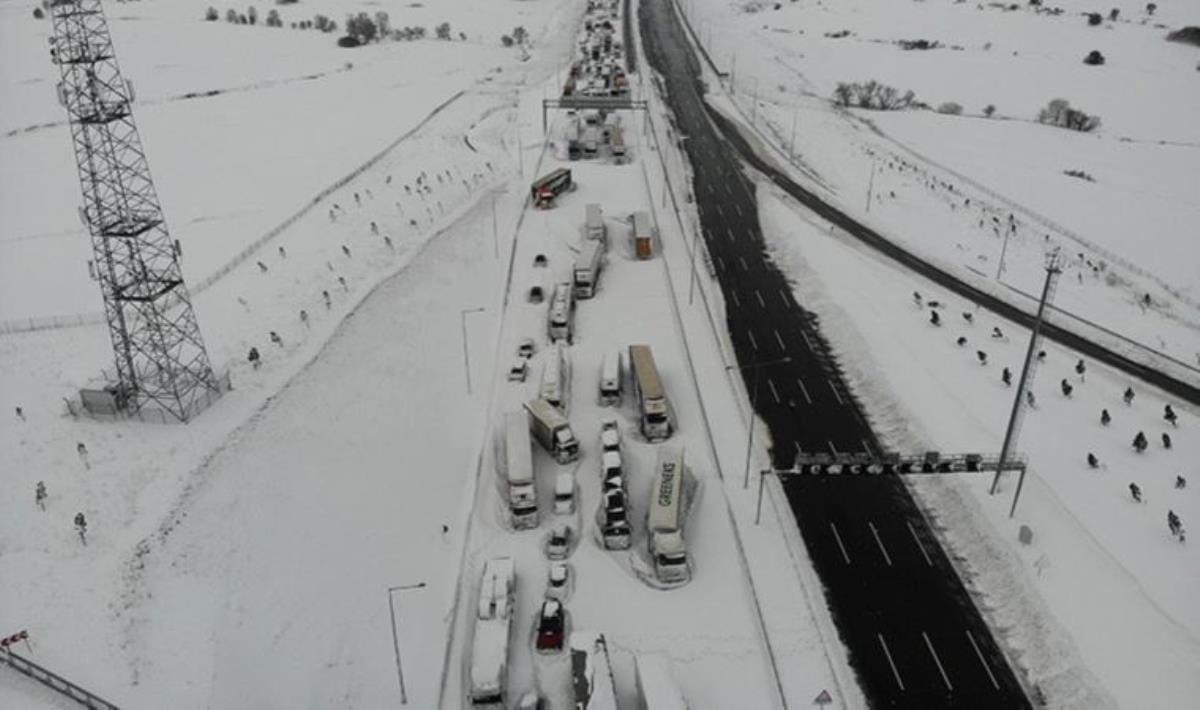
(55, 682)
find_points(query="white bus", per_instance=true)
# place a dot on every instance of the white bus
(555, 385)
(652, 398)
(585, 276)
(560, 319)
(518, 461)
(493, 624)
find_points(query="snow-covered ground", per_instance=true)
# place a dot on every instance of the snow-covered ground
(945, 185)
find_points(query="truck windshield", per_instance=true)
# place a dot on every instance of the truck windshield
(487, 699)
(656, 417)
(671, 560)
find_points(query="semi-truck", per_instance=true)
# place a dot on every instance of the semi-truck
(549, 186)
(617, 144)
(555, 386)
(610, 379)
(653, 408)
(664, 520)
(591, 672)
(588, 264)
(643, 235)
(560, 318)
(552, 430)
(593, 223)
(518, 461)
(493, 624)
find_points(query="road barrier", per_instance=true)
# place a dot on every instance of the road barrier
(54, 681)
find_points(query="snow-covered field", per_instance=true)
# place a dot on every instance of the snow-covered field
(946, 185)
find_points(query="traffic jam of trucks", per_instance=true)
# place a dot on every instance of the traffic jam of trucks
(628, 384)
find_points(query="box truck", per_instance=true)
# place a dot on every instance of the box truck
(643, 235)
(653, 408)
(585, 276)
(493, 624)
(593, 223)
(555, 386)
(664, 520)
(552, 430)
(561, 316)
(518, 462)
(546, 188)
(610, 379)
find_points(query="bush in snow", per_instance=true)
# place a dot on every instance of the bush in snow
(322, 23)
(1094, 58)
(1186, 35)
(950, 108)
(362, 28)
(506, 40)
(211, 14)
(989, 110)
(1150, 8)
(1113, 14)
(462, 36)
(231, 16)
(918, 44)
(252, 15)
(1059, 113)
(273, 19)
(519, 35)
(1094, 18)
(38, 14)
(871, 95)
(442, 31)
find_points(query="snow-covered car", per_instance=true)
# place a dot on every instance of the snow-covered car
(551, 628)
(610, 435)
(558, 545)
(526, 348)
(564, 493)
(517, 370)
(531, 701)
(558, 581)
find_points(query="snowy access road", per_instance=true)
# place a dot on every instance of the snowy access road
(914, 636)
(1065, 337)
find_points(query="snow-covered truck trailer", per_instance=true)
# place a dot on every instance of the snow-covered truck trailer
(591, 672)
(560, 319)
(653, 408)
(518, 457)
(643, 235)
(617, 144)
(546, 188)
(588, 264)
(556, 378)
(593, 223)
(552, 430)
(493, 624)
(664, 520)
(656, 688)
(610, 379)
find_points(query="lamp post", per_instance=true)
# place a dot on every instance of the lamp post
(466, 355)
(754, 102)
(396, 639)
(753, 407)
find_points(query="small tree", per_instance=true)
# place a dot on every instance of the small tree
(1094, 18)
(462, 36)
(1094, 58)
(252, 15)
(1113, 14)
(231, 16)
(419, 32)
(1150, 8)
(211, 14)
(989, 110)
(38, 14)
(506, 40)
(442, 31)
(951, 108)
(321, 22)
(383, 24)
(273, 19)
(519, 35)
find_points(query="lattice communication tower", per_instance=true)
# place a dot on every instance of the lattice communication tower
(160, 356)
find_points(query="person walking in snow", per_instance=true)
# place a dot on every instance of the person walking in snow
(917, 298)
(346, 250)
(968, 317)
(81, 527)
(1180, 482)
(374, 228)
(1166, 440)
(388, 241)
(962, 340)
(328, 300)
(1006, 377)
(1128, 396)
(39, 495)
(1170, 416)
(1104, 417)
(1080, 368)
(981, 356)
(262, 267)
(81, 449)
(1041, 356)
(20, 414)
(276, 339)
(1066, 388)
(1136, 492)
(997, 333)
(1174, 524)
(304, 317)
(282, 252)
(1093, 462)
(254, 358)
(342, 281)
(1030, 399)
(1140, 443)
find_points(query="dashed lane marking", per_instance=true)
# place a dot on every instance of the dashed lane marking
(886, 557)
(738, 207)
(784, 297)
(774, 392)
(804, 391)
(833, 387)
(736, 301)
(718, 209)
(920, 546)
(761, 302)
(832, 448)
(778, 339)
(979, 653)
(807, 341)
(753, 342)
(742, 261)
(888, 654)
(729, 234)
(838, 538)
(938, 661)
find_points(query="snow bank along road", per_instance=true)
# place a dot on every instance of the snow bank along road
(914, 637)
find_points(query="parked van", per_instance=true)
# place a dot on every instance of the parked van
(564, 493)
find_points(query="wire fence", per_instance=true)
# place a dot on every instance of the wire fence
(55, 682)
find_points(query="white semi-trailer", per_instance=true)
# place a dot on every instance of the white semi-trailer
(664, 521)
(657, 689)
(561, 316)
(585, 276)
(493, 623)
(591, 672)
(593, 223)
(651, 397)
(555, 386)
(518, 458)
(552, 430)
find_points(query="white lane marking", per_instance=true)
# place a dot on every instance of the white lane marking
(738, 207)
(886, 557)
(720, 263)
(742, 261)
(753, 342)
(804, 391)
(736, 301)
(891, 663)
(866, 447)
(937, 660)
(917, 540)
(799, 451)
(784, 297)
(979, 653)
(729, 233)
(807, 341)
(839, 542)
(718, 208)
(835, 392)
(761, 302)
(774, 392)
(778, 339)
(832, 448)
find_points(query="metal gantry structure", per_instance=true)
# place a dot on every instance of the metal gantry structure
(160, 357)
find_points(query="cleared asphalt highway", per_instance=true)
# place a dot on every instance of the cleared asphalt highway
(914, 637)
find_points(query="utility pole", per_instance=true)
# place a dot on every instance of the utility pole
(753, 408)
(495, 230)
(795, 114)
(754, 105)
(1053, 270)
(871, 185)
(466, 355)
(695, 239)
(1003, 251)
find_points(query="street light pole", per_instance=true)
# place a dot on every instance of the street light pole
(871, 185)
(753, 409)
(495, 238)
(792, 144)
(396, 638)
(466, 355)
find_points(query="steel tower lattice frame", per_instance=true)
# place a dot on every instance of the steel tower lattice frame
(160, 357)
